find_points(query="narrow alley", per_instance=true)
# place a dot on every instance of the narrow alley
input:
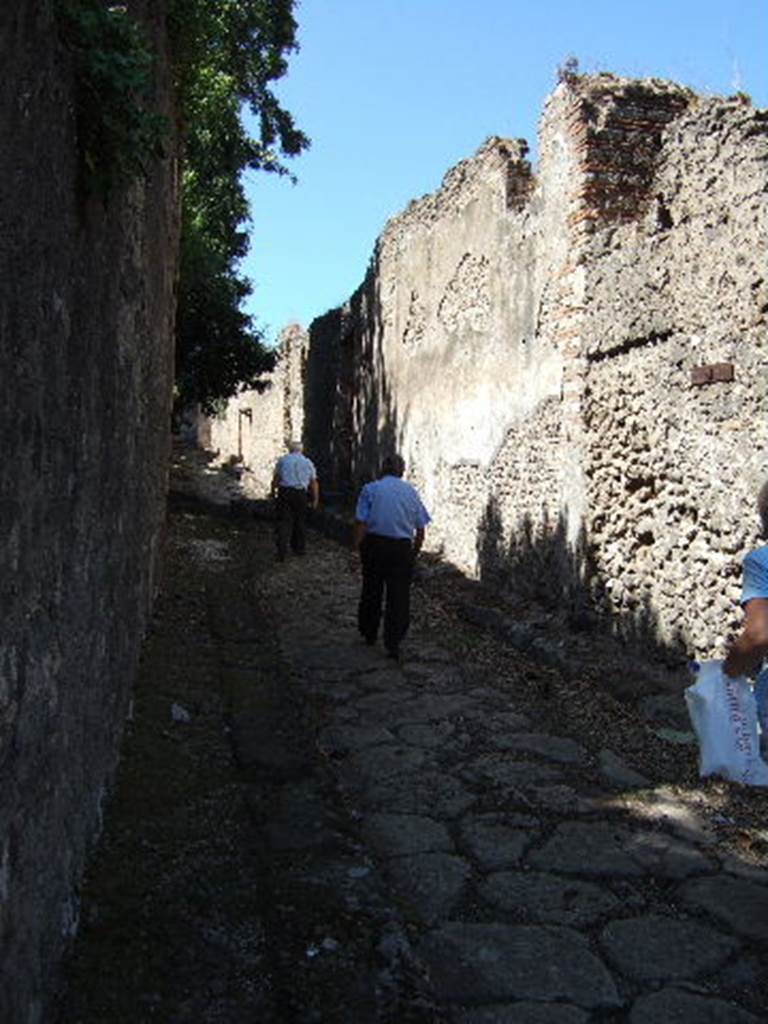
(305, 831)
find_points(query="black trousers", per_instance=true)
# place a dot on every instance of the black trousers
(387, 573)
(291, 520)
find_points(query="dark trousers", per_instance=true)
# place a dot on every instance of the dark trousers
(387, 573)
(291, 521)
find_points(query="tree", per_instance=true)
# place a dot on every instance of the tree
(226, 55)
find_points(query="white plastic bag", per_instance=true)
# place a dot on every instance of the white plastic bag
(724, 715)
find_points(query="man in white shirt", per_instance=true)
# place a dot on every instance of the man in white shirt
(388, 534)
(293, 479)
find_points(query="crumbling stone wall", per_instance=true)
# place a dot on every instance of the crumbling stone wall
(674, 465)
(255, 426)
(86, 318)
(533, 343)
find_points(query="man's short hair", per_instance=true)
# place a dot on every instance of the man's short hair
(393, 465)
(762, 507)
(295, 446)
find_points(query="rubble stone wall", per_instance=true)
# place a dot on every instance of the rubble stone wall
(86, 359)
(674, 466)
(255, 426)
(535, 345)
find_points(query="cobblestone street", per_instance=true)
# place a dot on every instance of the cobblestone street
(305, 830)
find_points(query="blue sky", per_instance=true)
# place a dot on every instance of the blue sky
(394, 92)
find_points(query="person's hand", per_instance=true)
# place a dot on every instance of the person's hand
(354, 561)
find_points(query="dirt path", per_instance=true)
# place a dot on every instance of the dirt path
(305, 831)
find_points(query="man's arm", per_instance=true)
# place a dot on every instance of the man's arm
(751, 646)
(314, 492)
(359, 530)
(275, 482)
(418, 540)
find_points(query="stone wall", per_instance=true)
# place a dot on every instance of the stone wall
(532, 343)
(254, 428)
(86, 318)
(674, 465)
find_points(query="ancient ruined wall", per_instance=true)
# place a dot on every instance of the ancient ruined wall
(256, 424)
(591, 467)
(533, 344)
(677, 284)
(86, 304)
(455, 334)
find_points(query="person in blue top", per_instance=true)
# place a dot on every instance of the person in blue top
(293, 479)
(387, 536)
(751, 646)
(749, 649)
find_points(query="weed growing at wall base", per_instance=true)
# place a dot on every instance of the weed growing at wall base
(118, 132)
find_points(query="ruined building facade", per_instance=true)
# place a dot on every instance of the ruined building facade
(573, 362)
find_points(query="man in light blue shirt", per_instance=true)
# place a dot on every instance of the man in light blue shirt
(294, 478)
(388, 534)
(751, 646)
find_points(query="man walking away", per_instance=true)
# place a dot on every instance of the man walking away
(294, 476)
(388, 535)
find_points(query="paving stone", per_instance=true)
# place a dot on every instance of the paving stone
(509, 721)
(383, 679)
(380, 762)
(476, 963)
(522, 1013)
(488, 693)
(435, 676)
(654, 948)
(380, 708)
(429, 707)
(340, 739)
(390, 709)
(332, 690)
(744, 974)
(741, 905)
(553, 748)
(600, 848)
(425, 650)
(345, 716)
(338, 657)
(502, 771)
(430, 793)
(751, 872)
(547, 899)
(493, 843)
(393, 835)
(556, 799)
(431, 883)
(426, 735)
(673, 1006)
(618, 771)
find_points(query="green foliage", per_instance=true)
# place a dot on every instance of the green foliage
(226, 55)
(118, 132)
